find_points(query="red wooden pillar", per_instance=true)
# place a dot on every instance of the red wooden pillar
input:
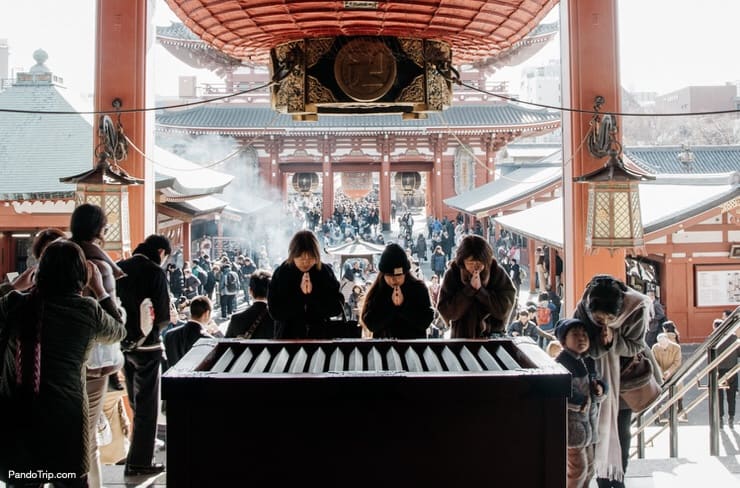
(186, 238)
(120, 73)
(531, 246)
(590, 53)
(551, 279)
(384, 194)
(327, 189)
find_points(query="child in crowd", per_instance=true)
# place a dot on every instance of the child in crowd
(587, 391)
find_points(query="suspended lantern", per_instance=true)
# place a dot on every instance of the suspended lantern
(106, 186)
(613, 220)
(408, 181)
(305, 183)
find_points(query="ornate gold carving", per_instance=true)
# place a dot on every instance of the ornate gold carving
(318, 93)
(439, 90)
(414, 49)
(365, 69)
(414, 91)
(288, 96)
(315, 50)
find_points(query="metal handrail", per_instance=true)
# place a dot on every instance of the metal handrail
(682, 381)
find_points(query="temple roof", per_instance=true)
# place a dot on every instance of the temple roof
(661, 206)
(37, 149)
(229, 118)
(476, 29)
(191, 49)
(178, 178)
(545, 175)
(511, 187)
(179, 41)
(665, 159)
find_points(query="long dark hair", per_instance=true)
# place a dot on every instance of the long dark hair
(88, 223)
(377, 287)
(304, 241)
(476, 247)
(605, 293)
(61, 271)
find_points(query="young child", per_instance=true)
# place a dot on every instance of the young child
(587, 391)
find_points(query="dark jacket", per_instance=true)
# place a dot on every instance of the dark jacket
(476, 313)
(527, 330)
(656, 324)
(299, 316)
(583, 403)
(179, 340)
(409, 321)
(438, 263)
(241, 322)
(144, 279)
(49, 432)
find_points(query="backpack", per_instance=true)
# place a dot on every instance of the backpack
(544, 315)
(231, 285)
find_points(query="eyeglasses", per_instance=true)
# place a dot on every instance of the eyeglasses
(105, 230)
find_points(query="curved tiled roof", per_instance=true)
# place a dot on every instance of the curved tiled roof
(37, 149)
(475, 29)
(233, 117)
(177, 30)
(178, 33)
(664, 159)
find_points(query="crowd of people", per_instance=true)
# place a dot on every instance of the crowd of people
(123, 321)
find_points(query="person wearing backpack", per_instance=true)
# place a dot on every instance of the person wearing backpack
(229, 289)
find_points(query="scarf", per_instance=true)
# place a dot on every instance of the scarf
(608, 452)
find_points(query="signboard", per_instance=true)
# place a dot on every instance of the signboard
(717, 286)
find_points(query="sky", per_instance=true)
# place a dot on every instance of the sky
(664, 44)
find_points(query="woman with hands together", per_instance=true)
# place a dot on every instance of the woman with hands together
(477, 295)
(303, 293)
(397, 304)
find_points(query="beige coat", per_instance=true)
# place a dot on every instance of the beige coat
(668, 358)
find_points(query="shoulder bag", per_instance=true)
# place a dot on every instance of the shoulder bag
(637, 384)
(248, 334)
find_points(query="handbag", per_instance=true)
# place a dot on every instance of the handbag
(342, 328)
(637, 384)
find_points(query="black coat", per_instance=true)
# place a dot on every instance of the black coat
(300, 316)
(179, 340)
(144, 279)
(408, 321)
(241, 322)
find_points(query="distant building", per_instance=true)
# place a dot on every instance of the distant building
(692, 99)
(645, 100)
(4, 56)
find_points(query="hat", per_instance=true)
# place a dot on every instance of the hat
(564, 325)
(394, 260)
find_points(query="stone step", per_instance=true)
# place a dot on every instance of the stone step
(683, 472)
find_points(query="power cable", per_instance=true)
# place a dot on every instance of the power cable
(133, 110)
